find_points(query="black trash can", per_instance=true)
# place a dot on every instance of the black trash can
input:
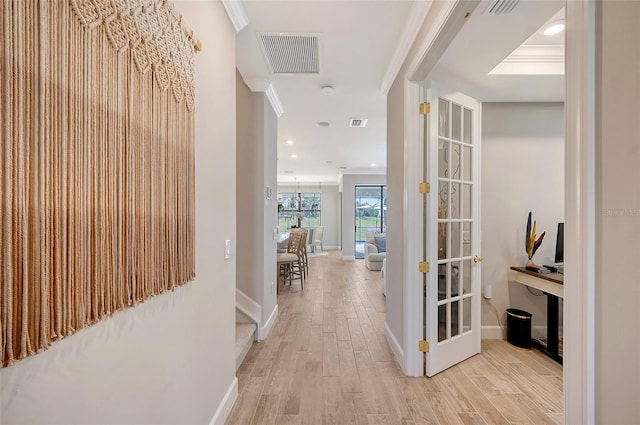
(519, 328)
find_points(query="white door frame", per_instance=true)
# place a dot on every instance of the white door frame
(580, 207)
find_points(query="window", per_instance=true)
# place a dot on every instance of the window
(303, 206)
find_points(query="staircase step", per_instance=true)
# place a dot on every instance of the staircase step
(245, 335)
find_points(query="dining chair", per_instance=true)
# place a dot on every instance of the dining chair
(290, 262)
(305, 257)
(317, 238)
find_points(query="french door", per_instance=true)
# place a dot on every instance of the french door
(451, 227)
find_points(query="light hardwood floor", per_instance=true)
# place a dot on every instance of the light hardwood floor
(326, 361)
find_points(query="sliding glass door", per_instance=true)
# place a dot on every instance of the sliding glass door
(370, 214)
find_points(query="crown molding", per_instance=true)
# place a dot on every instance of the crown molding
(550, 53)
(272, 95)
(533, 59)
(417, 15)
(237, 15)
(257, 84)
(264, 85)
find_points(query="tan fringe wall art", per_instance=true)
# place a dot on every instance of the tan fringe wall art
(96, 163)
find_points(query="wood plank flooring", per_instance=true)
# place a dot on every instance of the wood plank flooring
(326, 361)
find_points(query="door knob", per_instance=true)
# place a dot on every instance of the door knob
(477, 259)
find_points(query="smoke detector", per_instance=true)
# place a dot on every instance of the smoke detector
(327, 90)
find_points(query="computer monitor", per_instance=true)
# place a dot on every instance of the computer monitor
(560, 244)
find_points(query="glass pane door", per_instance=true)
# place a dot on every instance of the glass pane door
(452, 223)
(370, 214)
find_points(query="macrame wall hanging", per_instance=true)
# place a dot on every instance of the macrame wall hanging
(96, 163)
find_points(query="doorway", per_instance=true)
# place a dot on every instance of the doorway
(579, 389)
(370, 214)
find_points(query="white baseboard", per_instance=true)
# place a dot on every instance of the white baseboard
(264, 330)
(348, 258)
(393, 343)
(331, 247)
(492, 332)
(225, 406)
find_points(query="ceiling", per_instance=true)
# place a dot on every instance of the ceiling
(357, 42)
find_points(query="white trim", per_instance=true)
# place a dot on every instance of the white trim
(331, 247)
(580, 208)
(272, 95)
(236, 13)
(249, 307)
(264, 330)
(393, 343)
(492, 332)
(412, 214)
(257, 84)
(435, 43)
(264, 85)
(417, 14)
(533, 59)
(348, 258)
(225, 406)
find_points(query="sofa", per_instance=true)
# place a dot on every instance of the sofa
(375, 250)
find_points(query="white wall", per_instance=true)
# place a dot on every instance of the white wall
(617, 368)
(171, 359)
(522, 170)
(257, 215)
(330, 199)
(249, 173)
(394, 275)
(349, 183)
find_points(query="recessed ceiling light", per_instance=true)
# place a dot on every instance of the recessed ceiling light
(329, 162)
(343, 168)
(290, 142)
(373, 164)
(288, 171)
(554, 28)
(324, 124)
(294, 156)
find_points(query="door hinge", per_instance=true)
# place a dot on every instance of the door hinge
(425, 187)
(423, 346)
(425, 108)
(423, 266)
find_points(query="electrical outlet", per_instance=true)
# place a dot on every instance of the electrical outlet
(488, 291)
(227, 249)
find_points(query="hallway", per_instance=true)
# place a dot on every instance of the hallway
(326, 361)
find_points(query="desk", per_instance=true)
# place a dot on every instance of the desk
(552, 284)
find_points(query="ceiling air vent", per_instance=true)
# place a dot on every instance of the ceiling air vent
(291, 53)
(358, 122)
(502, 7)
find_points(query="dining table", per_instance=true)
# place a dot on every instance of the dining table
(283, 238)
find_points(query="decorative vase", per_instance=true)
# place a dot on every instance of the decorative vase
(530, 263)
